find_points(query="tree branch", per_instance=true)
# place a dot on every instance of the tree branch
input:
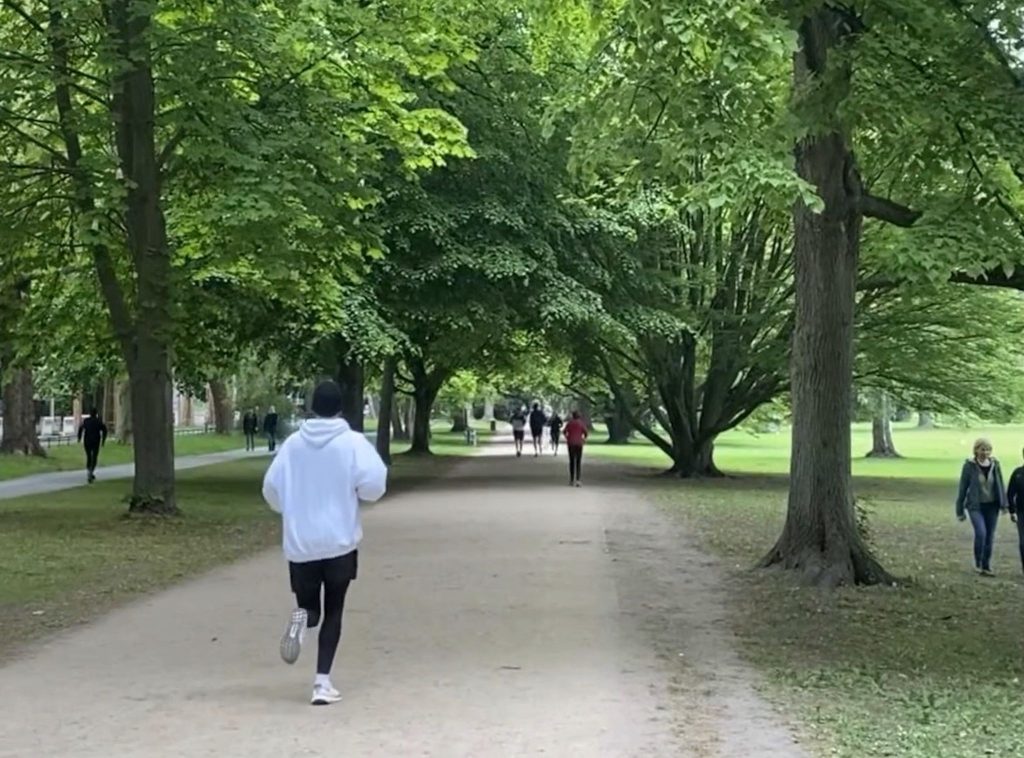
(888, 211)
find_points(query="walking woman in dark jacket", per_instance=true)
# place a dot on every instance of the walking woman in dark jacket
(981, 496)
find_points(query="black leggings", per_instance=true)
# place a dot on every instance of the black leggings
(92, 456)
(334, 576)
(575, 462)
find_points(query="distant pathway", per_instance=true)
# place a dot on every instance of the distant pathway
(498, 613)
(56, 481)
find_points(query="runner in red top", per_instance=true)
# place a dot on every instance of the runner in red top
(575, 438)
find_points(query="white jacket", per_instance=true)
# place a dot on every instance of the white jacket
(316, 481)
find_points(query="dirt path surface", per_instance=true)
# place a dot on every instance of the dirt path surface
(498, 613)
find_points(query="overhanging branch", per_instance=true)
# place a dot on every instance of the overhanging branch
(888, 211)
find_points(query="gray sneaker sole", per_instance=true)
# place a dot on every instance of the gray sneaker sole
(291, 643)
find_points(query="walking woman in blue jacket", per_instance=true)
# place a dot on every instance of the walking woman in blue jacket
(981, 496)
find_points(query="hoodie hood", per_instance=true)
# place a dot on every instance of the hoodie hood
(318, 432)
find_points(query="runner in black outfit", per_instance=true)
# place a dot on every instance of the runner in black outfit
(94, 434)
(537, 423)
(555, 422)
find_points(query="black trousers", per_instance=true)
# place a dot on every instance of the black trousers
(271, 440)
(320, 588)
(92, 456)
(250, 440)
(575, 462)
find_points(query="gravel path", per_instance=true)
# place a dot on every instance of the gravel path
(498, 613)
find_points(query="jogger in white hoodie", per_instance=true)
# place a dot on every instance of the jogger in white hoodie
(316, 482)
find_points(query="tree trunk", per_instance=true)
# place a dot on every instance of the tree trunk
(76, 411)
(123, 412)
(620, 428)
(400, 420)
(387, 409)
(821, 539)
(695, 461)
(881, 430)
(20, 436)
(426, 386)
(925, 420)
(421, 423)
(223, 412)
(188, 411)
(488, 409)
(459, 421)
(133, 104)
(353, 399)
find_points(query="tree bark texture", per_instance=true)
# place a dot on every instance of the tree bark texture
(426, 386)
(387, 409)
(223, 411)
(350, 378)
(821, 539)
(881, 430)
(20, 436)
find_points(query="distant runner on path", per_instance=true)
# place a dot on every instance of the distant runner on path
(575, 438)
(270, 428)
(93, 432)
(537, 423)
(556, 431)
(316, 482)
(518, 422)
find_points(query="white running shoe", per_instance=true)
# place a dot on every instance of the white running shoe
(578, 483)
(324, 694)
(291, 643)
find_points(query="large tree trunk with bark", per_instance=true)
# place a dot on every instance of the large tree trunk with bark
(350, 377)
(20, 436)
(426, 386)
(695, 461)
(460, 420)
(145, 334)
(223, 410)
(387, 408)
(881, 430)
(122, 412)
(821, 539)
(148, 353)
(421, 423)
(620, 427)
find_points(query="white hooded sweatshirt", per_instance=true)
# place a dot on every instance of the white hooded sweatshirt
(316, 481)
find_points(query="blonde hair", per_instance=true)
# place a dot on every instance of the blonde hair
(982, 442)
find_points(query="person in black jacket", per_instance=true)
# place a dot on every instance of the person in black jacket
(93, 432)
(270, 428)
(1015, 502)
(251, 427)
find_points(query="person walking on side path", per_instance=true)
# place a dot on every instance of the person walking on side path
(575, 438)
(316, 482)
(1015, 502)
(556, 431)
(518, 421)
(537, 423)
(270, 428)
(93, 433)
(250, 426)
(981, 496)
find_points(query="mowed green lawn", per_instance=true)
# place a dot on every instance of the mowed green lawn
(933, 668)
(72, 457)
(67, 557)
(935, 454)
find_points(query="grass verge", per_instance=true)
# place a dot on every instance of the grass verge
(70, 556)
(72, 457)
(930, 669)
